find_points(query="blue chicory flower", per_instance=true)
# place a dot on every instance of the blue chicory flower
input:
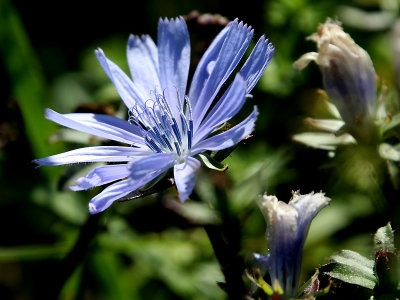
(166, 127)
(287, 228)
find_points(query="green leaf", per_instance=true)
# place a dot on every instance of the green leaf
(211, 162)
(306, 287)
(260, 282)
(194, 212)
(389, 152)
(353, 268)
(352, 276)
(108, 268)
(69, 206)
(183, 262)
(28, 85)
(308, 283)
(320, 293)
(32, 252)
(384, 238)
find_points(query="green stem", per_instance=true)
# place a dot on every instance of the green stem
(64, 269)
(226, 243)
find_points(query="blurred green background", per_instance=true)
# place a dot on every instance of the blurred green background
(143, 249)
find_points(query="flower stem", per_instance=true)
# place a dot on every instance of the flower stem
(63, 270)
(231, 264)
(226, 242)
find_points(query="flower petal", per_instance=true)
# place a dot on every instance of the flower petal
(258, 60)
(228, 138)
(108, 127)
(308, 206)
(228, 106)
(174, 60)
(185, 177)
(101, 175)
(128, 91)
(284, 250)
(143, 63)
(206, 64)
(216, 65)
(122, 188)
(153, 162)
(114, 192)
(93, 154)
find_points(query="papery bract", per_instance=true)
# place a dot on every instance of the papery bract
(348, 74)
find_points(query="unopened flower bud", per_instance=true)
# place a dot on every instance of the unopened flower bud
(348, 74)
(287, 228)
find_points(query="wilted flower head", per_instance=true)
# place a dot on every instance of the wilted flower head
(348, 74)
(287, 228)
(166, 127)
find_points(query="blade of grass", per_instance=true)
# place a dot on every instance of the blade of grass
(28, 85)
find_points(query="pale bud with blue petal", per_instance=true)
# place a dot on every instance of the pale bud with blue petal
(287, 228)
(348, 74)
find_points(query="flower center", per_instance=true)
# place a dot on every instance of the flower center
(163, 130)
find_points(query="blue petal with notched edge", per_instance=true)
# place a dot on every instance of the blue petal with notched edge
(104, 126)
(143, 63)
(93, 154)
(101, 175)
(185, 177)
(225, 58)
(173, 59)
(230, 137)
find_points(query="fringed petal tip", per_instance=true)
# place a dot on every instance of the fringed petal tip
(264, 40)
(85, 183)
(45, 161)
(92, 209)
(99, 52)
(270, 48)
(167, 20)
(76, 188)
(245, 26)
(48, 112)
(133, 39)
(38, 162)
(316, 200)
(185, 177)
